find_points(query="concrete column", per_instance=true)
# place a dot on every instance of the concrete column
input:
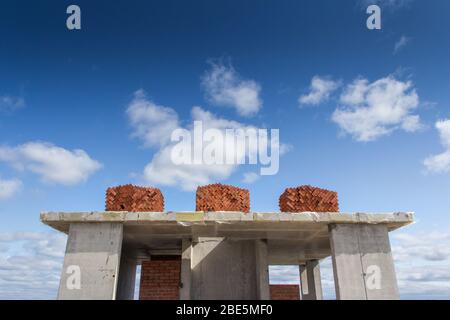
(91, 263)
(362, 262)
(311, 282)
(262, 270)
(186, 253)
(127, 278)
(223, 269)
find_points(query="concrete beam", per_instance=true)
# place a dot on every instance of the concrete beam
(262, 270)
(127, 278)
(362, 262)
(91, 262)
(310, 281)
(186, 254)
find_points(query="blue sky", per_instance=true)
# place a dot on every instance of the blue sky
(303, 63)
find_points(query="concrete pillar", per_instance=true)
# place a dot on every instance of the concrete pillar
(186, 253)
(91, 263)
(262, 270)
(223, 269)
(362, 262)
(127, 278)
(310, 281)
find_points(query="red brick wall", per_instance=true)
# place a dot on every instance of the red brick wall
(160, 280)
(284, 292)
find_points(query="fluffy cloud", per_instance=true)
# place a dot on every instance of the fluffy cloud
(288, 274)
(373, 110)
(320, 90)
(440, 163)
(401, 43)
(432, 246)
(162, 170)
(421, 262)
(54, 164)
(224, 86)
(151, 123)
(10, 103)
(9, 188)
(30, 264)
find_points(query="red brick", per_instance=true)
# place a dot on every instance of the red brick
(160, 280)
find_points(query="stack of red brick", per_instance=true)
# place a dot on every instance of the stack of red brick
(134, 199)
(308, 198)
(219, 197)
(160, 280)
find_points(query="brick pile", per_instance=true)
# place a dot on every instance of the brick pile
(284, 292)
(160, 280)
(308, 198)
(219, 197)
(134, 199)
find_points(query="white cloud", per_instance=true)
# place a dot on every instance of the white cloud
(284, 274)
(440, 163)
(11, 103)
(373, 110)
(250, 177)
(151, 123)
(224, 86)
(52, 163)
(9, 187)
(320, 90)
(289, 274)
(30, 264)
(432, 246)
(401, 43)
(161, 170)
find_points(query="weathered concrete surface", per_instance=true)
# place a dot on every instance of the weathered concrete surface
(127, 278)
(362, 262)
(227, 243)
(311, 282)
(94, 250)
(186, 257)
(262, 270)
(223, 269)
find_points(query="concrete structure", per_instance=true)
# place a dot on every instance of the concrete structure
(284, 292)
(225, 255)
